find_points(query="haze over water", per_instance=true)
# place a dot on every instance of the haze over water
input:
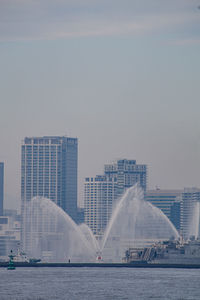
(98, 284)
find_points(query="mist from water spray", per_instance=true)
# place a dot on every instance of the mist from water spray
(195, 221)
(88, 234)
(116, 211)
(54, 236)
(134, 222)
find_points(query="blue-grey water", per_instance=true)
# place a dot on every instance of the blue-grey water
(99, 283)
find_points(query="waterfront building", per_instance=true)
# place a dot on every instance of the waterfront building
(127, 173)
(9, 236)
(99, 198)
(190, 203)
(13, 213)
(1, 187)
(175, 213)
(49, 169)
(180, 206)
(163, 199)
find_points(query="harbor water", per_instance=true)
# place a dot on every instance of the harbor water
(99, 283)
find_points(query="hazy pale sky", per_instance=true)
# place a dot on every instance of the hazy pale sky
(122, 76)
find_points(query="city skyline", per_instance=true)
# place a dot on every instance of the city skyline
(17, 201)
(122, 77)
(100, 149)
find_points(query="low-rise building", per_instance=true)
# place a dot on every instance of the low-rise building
(163, 199)
(9, 236)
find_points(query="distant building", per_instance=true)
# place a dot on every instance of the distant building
(80, 215)
(163, 199)
(190, 212)
(49, 169)
(102, 191)
(175, 213)
(127, 173)
(9, 237)
(180, 206)
(1, 187)
(13, 213)
(100, 195)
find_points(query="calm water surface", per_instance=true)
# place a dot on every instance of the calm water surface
(99, 283)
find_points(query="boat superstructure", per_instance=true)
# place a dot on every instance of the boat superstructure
(166, 252)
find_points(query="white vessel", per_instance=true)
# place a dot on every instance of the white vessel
(167, 252)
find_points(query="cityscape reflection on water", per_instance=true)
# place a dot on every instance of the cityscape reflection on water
(98, 283)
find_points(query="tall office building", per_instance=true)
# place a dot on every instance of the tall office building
(127, 173)
(49, 169)
(190, 213)
(1, 187)
(99, 197)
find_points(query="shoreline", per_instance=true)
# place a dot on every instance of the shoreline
(100, 265)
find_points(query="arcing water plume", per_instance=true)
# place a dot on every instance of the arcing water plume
(54, 236)
(88, 234)
(134, 222)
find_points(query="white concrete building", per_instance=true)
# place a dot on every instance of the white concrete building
(99, 198)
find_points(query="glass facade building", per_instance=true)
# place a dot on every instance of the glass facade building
(175, 214)
(49, 169)
(182, 207)
(163, 199)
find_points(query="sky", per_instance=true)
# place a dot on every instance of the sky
(122, 76)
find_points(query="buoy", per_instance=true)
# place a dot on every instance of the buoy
(11, 263)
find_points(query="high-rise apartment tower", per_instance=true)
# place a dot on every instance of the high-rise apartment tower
(127, 173)
(49, 169)
(102, 191)
(99, 197)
